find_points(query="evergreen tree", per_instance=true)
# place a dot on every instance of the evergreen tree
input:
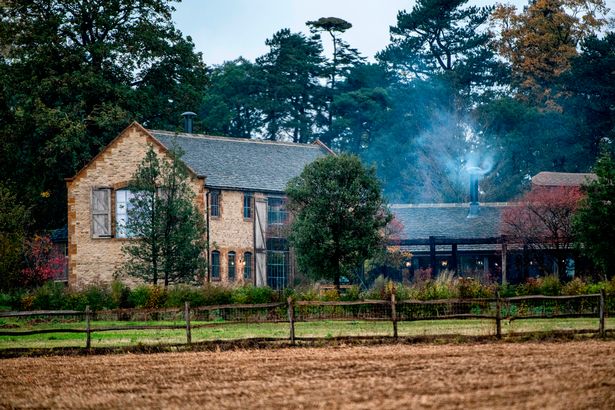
(291, 71)
(165, 228)
(231, 105)
(343, 59)
(441, 40)
(595, 220)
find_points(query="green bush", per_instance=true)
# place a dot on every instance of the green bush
(98, 298)
(11, 300)
(52, 295)
(120, 294)
(351, 294)
(550, 285)
(177, 296)
(530, 287)
(148, 296)
(377, 290)
(253, 294)
(216, 295)
(575, 287)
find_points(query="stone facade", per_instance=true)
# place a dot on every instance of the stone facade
(231, 232)
(91, 259)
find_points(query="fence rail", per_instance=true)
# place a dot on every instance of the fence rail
(292, 312)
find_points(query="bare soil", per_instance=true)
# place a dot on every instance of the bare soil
(571, 375)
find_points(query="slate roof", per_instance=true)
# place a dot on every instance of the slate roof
(235, 163)
(562, 179)
(420, 221)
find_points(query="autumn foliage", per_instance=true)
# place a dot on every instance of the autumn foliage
(43, 261)
(540, 41)
(543, 219)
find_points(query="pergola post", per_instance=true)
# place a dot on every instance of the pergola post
(504, 262)
(432, 256)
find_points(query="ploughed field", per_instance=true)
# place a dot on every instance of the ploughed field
(579, 374)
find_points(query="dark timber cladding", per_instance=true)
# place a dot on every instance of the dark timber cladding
(242, 164)
(439, 230)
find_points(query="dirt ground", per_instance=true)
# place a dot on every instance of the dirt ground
(567, 375)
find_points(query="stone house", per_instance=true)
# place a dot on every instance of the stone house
(239, 186)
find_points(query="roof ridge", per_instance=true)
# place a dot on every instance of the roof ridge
(234, 139)
(450, 205)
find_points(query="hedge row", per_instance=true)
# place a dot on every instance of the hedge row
(57, 296)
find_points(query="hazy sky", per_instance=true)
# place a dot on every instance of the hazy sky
(226, 29)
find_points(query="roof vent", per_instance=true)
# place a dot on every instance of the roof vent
(188, 116)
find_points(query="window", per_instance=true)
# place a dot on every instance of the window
(247, 205)
(101, 212)
(276, 211)
(215, 265)
(123, 205)
(278, 263)
(214, 203)
(277, 269)
(231, 266)
(247, 265)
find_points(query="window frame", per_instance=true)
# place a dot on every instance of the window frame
(279, 210)
(248, 209)
(247, 265)
(215, 268)
(215, 208)
(120, 228)
(231, 266)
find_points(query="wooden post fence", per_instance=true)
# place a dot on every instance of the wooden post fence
(291, 319)
(187, 318)
(394, 313)
(498, 315)
(602, 312)
(88, 337)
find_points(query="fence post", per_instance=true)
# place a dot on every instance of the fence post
(394, 313)
(291, 319)
(498, 315)
(187, 318)
(88, 339)
(602, 312)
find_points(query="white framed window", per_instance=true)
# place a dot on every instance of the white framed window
(123, 205)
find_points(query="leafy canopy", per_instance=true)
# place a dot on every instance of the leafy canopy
(73, 73)
(338, 216)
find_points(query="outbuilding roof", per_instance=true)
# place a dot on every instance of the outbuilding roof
(243, 164)
(420, 221)
(562, 179)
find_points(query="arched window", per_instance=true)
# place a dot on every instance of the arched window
(215, 265)
(214, 203)
(247, 265)
(231, 266)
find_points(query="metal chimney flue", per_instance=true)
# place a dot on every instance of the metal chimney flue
(474, 206)
(188, 116)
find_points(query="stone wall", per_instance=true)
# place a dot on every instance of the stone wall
(231, 232)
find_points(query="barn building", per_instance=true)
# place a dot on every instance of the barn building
(239, 186)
